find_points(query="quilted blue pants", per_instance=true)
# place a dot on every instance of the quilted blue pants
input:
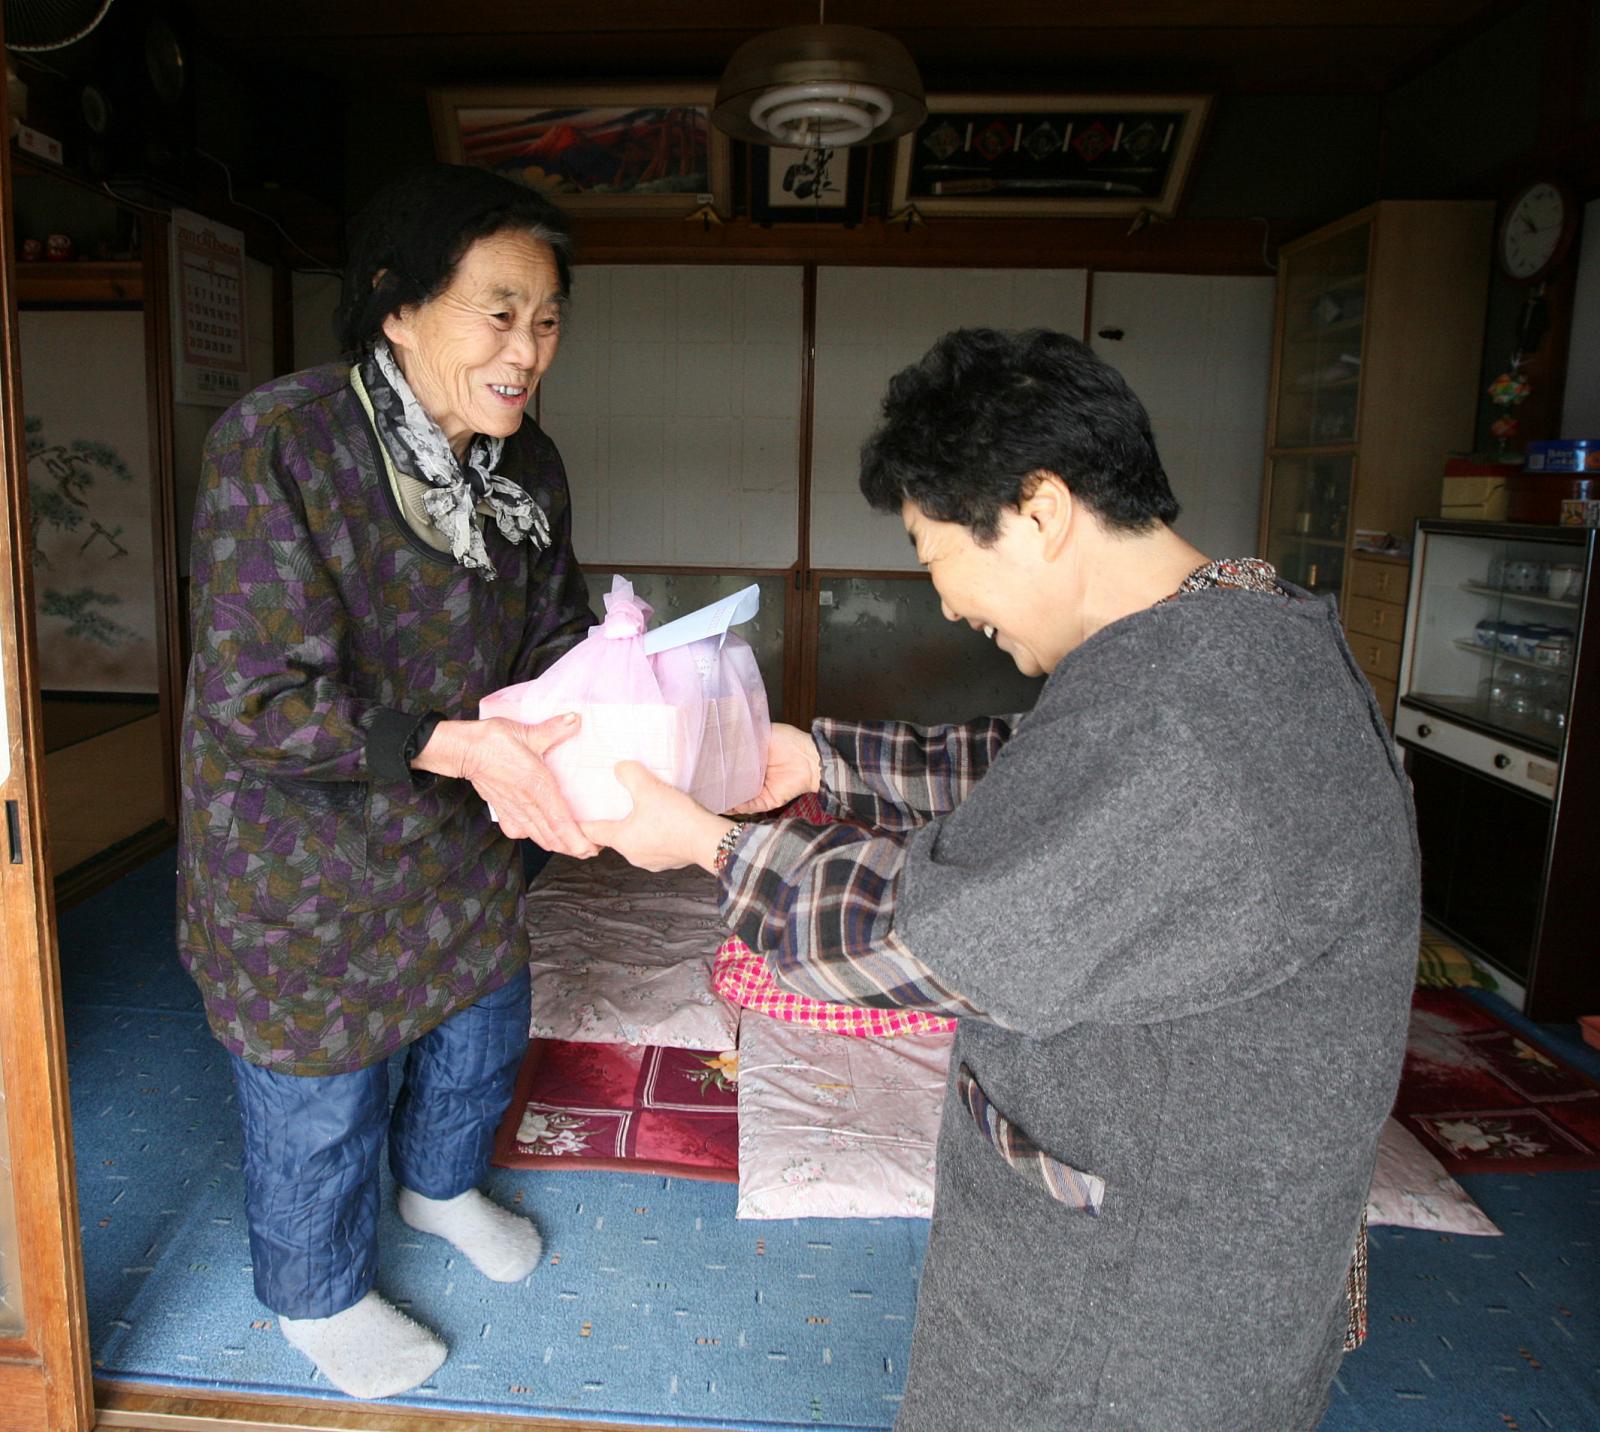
(311, 1146)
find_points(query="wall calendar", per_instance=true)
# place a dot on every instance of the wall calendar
(208, 322)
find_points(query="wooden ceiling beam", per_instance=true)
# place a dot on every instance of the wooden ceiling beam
(1228, 45)
(1348, 60)
(425, 19)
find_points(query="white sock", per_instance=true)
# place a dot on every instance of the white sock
(369, 1350)
(500, 1244)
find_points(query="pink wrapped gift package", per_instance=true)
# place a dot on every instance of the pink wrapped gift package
(685, 699)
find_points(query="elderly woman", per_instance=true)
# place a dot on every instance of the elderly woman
(378, 544)
(1175, 908)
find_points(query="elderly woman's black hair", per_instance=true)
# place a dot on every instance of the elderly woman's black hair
(963, 428)
(415, 231)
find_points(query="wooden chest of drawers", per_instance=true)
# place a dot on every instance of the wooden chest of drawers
(1374, 617)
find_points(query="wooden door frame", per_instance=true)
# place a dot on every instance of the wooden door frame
(141, 1409)
(44, 1373)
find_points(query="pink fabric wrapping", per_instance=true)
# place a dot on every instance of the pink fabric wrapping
(740, 977)
(694, 714)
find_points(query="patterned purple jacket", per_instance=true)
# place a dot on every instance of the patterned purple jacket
(333, 904)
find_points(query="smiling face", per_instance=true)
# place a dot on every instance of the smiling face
(993, 589)
(474, 354)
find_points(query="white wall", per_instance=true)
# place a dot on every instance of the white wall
(872, 322)
(316, 295)
(1198, 352)
(675, 398)
(675, 401)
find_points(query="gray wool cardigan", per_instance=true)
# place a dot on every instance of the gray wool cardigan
(1187, 893)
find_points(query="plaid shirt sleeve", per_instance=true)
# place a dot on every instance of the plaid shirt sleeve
(819, 901)
(894, 776)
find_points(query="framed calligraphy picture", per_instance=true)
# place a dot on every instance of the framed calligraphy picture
(806, 186)
(1042, 155)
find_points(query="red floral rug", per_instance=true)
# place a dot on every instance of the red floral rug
(1485, 1100)
(639, 1108)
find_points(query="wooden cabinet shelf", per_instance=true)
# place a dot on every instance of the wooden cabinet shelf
(115, 281)
(1571, 604)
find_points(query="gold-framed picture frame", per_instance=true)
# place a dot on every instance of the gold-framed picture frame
(635, 149)
(1042, 155)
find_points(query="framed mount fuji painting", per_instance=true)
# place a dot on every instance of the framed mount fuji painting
(635, 149)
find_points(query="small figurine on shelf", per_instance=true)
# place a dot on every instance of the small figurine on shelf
(32, 251)
(1507, 391)
(58, 248)
(1502, 430)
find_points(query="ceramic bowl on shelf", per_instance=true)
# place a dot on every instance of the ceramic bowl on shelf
(1522, 574)
(1564, 581)
(1555, 651)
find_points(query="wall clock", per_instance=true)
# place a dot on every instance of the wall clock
(1537, 230)
(164, 62)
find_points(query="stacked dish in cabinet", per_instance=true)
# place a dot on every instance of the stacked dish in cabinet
(1499, 685)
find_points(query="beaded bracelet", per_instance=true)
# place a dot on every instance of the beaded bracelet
(725, 846)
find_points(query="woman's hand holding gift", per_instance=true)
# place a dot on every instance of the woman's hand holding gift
(793, 769)
(504, 760)
(666, 828)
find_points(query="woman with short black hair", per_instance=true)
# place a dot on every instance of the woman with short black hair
(378, 544)
(1174, 908)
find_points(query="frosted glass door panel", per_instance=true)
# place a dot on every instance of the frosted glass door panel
(11, 1324)
(1197, 351)
(675, 594)
(675, 401)
(886, 652)
(871, 323)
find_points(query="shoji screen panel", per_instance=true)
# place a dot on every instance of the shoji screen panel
(675, 401)
(1197, 350)
(872, 322)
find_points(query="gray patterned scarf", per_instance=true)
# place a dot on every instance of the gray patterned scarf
(418, 446)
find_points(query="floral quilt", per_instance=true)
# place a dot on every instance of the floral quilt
(624, 956)
(831, 1127)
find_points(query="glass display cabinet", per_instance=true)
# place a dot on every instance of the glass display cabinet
(1375, 369)
(1319, 356)
(1498, 694)
(1318, 380)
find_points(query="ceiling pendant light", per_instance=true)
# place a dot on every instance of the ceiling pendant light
(819, 86)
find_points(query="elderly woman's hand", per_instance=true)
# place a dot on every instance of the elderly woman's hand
(666, 828)
(504, 760)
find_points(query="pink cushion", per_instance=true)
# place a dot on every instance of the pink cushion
(740, 976)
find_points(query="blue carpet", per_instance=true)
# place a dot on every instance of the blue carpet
(654, 1304)
(1497, 1334)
